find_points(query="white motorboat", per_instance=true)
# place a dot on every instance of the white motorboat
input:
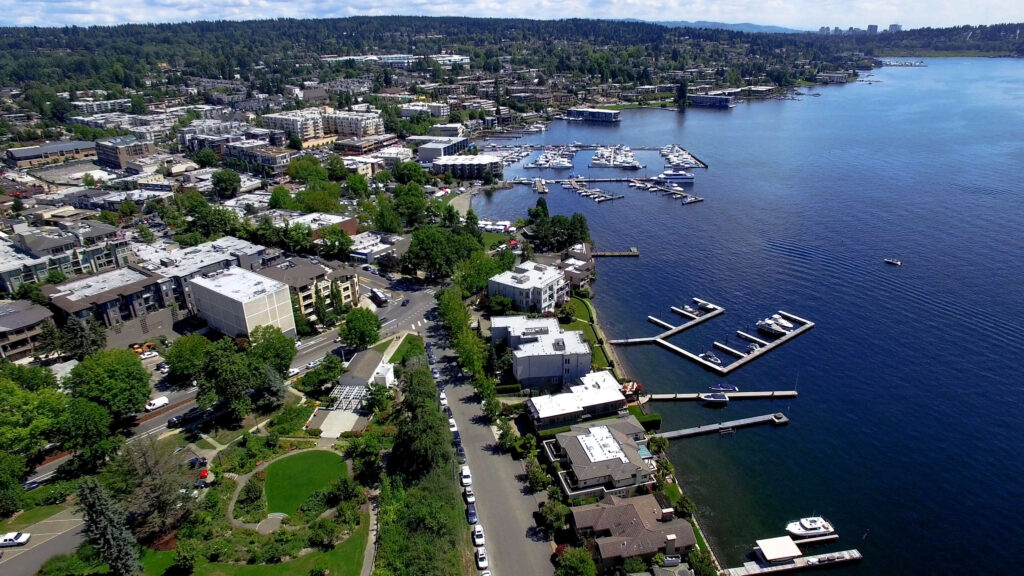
(675, 176)
(769, 327)
(782, 322)
(710, 357)
(810, 527)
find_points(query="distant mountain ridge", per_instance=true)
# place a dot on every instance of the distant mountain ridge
(741, 27)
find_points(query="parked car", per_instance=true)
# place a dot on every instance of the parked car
(15, 539)
(467, 476)
(293, 371)
(432, 359)
(405, 302)
(148, 355)
(467, 492)
(158, 402)
(471, 514)
(452, 425)
(165, 369)
(444, 399)
(458, 438)
(313, 364)
(435, 373)
(481, 558)
(478, 535)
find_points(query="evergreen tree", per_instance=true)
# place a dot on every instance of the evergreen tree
(336, 304)
(106, 527)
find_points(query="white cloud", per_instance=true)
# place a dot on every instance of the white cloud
(804, 14)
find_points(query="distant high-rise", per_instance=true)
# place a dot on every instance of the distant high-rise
(837, 31)
(824, 30)
(895, 28)
(872, 28)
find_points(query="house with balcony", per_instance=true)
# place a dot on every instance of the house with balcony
(609, 458)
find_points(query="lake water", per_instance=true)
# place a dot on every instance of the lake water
(909, 428)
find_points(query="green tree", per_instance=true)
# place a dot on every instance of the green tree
(269, 391)
(379, 398)
(32, 292)
(88, 180)
(336, 242)
(294, 141)
(280, 198)
(323, 533)
(229, 375)
(567, 313)
(536, 478)
(226, 183)
(138, 105)
(85, 428)
(114, 379)
(386, 220)
(148, 477)
(553, 513)
(361, 329)
(268, 345)
(576, 562)
(12, 468)
(306, 169)
(186, 359)
(336, 170)
(357, 185)
(28, 417)
(406, 172)
(106, 528)
(185, 557)
(633, 565)
(55, 277)
(508, 440)
(298, 237)
(657, 444)
(145, 234)
(109, 217)
(127, 209)
(206, 158)
(337, 304)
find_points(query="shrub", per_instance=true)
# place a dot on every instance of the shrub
(185, 557)
(508, 389)
(324, 533)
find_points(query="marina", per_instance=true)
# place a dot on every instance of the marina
(575, 185)
(674, 155)
(776, 419)
(706, 360)
(665, 188)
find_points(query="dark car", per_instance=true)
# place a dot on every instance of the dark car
(458, 438)
(471, 513)
(461, 453)
(405, 302)
(31, 485)
(194, 413)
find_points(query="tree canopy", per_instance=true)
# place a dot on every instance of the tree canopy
(113, 379)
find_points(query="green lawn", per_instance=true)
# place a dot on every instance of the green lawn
(291, 480)
(492, 238)
(30, 517)
(411, 345)
(598, 357)
(381, 346)
(345, 560)
(582, 311)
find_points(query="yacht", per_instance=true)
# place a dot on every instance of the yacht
(769, 327)
(782, 322)
(705, 305)
(710, 357)
(690, 310)
(810, 527)
(753, 347)
(724, 387)
(715, 398)
(893, 261)
(675, 176)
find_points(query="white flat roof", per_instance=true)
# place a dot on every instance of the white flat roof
(778, 549)
(568, 342)
(187, 261)
(600, 445)
(597, 388)
(318, 220)
(239, 284)
(92, 285)
(529, 275)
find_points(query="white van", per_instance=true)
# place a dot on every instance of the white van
(155, 403)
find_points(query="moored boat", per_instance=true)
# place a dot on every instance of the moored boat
(782, 322)
(715, 398)
(769, 327)
(710, 357)
(893, 261)
(810, 527)
(724, 387)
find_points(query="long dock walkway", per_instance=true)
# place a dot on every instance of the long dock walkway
(693, 397)
(777, 419)
(671, 330)
(801, 563)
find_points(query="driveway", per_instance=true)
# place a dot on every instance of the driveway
(59, 534)
(504, 507)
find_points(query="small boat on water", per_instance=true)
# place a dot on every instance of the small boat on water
(710, 357)
(810, 527)
(724, 387)
(704, 305)
(690, 310)
(715, 398)
(893, 261)
(782, 322)
(769, 327)
(753, 347)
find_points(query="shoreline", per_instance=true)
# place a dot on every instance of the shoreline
(463, 203)
(621, 373)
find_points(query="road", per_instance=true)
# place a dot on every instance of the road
(59, 534)
(504, 506)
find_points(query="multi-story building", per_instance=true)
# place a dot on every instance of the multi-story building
(306, 124)
(597, 394)
(609, 459)
(353, 124)
(77, 247)
(532, 287)
(369, 246)
(29, 156)
(432, 109)
(20, 328)
(542, 353)
(594, 115)
(111, 298)
(119, 151)
(90, 106)
(477, 167)
(260, 156)
(449, 60)
(636, 527)
(306, 278)
(235, 301)
(450, 130)
(432, 147)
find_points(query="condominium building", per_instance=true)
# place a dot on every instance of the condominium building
(353, 124)
(118, 152)
(235, 301)
(305, 278)
(20, 329)
(432, 109)
(77, 247)
(306, 124)
(602, 460)
(532, 287)
(476, 167)
(90, 106)
(597, 394)
(594, 115)
(542, 353)
(111, 298)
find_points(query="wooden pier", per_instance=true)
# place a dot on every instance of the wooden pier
(800, 563)
(632, 252)
(677, 194)
(694, 397)
(742, 358)
(671, 330)
(777, 419)
(580, 188)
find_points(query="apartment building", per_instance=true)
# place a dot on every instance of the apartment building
(353, 124)
(432, 109)
(112, 297)
(21, 324)
(542, 353)
(306, 277)
(90, 106)
(306, 124)
(29, 156)
(235, 301)
(532, 287)
(119, 151)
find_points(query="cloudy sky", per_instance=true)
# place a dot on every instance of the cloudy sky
(801, 14)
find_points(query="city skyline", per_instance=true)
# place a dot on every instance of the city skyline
(797, 14)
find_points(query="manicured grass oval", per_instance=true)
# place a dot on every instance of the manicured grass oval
(291, 480)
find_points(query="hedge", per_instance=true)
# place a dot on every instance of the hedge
(508, 389)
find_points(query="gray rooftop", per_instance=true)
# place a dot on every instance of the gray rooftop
(238, 284)
(19, 314)
(33, 151)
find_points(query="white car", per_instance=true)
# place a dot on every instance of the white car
(481, 558)
(452, 425)
(470, 496)
(313, 364)
(14, 539)
(467, 476)
(444, 399)
(148, 355)
(293, 371)
(478, 535)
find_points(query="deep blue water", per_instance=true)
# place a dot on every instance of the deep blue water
(909, 430)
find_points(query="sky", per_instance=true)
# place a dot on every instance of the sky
(799, 14)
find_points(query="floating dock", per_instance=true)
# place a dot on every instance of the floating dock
(580, 188)
(741, 357)
(632, 252)
(693, 397)
(801, 563)
(677, 194)
(671, 330)
(777, 419)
